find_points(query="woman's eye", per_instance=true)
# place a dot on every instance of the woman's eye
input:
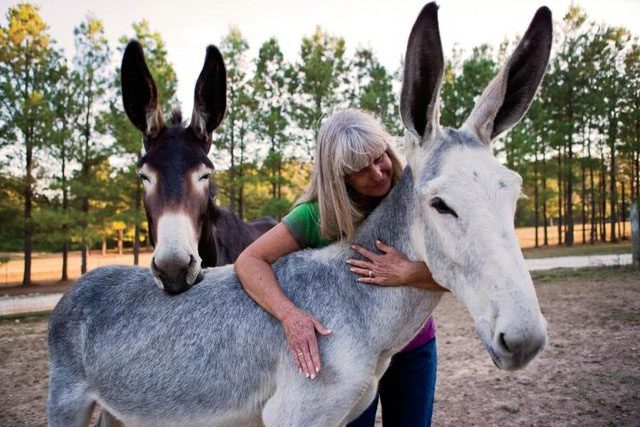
(378, 159)
(442, 207)
(205, 177)
(144, 177)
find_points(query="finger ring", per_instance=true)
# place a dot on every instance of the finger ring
(370, 273)
(300, 354)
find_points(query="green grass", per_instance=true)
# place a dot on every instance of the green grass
(32, 316)
(580, 249)
(590, 273)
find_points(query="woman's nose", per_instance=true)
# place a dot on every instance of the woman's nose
(376, 173)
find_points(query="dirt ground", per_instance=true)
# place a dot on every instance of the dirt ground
(46, 267)
(589, 374)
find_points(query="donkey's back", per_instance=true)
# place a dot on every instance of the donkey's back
(207, 356)
(110, 342)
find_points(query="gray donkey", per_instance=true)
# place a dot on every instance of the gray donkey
(213, 356)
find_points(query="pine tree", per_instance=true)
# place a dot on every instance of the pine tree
(27, 71)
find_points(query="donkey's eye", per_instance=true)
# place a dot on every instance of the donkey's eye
(442, 207)
(144, 177)
(205, 177)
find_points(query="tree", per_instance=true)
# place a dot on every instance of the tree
(233, 136)
(371, 88)
(315, 83)
(272, 115)
(463, 84)
(66, 114)
(27, 71)
(91, 71)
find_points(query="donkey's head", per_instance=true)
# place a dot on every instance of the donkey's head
(175, 169)
(467, 199)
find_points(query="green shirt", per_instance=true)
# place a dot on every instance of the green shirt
(304, 223)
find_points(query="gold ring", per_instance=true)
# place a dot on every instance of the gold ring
(370, 273)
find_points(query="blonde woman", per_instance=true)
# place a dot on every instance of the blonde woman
(355, 168)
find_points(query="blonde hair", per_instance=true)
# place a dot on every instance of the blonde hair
(347, 142)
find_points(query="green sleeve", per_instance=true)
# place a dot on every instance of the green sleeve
(304, 223)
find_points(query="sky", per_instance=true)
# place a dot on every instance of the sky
(189, 26)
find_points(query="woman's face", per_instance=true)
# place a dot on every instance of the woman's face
(375, 179)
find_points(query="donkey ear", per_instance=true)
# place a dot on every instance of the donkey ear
(423, 71)
(139, 94)
(210, 100)
(508, 96)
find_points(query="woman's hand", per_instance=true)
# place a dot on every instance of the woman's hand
(300, 330)
(391, 268)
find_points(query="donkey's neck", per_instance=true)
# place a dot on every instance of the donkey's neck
(400, 311)
(391, 221)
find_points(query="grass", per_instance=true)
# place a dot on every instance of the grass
(591, 273)
(623, 247)
(31, 316)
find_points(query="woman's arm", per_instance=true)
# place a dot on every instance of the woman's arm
(392, 268)
(253, 267)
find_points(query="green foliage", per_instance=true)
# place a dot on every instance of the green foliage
(69, 151)
(371, 88)
(463, 84)
(315, 81)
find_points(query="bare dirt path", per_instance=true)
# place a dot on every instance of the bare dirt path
(588, 375)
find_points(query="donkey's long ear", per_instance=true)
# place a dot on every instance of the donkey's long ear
(507, 98)
(139, 94)
(423, 71)
(210, 100)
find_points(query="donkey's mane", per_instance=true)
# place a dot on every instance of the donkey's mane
(176, 117)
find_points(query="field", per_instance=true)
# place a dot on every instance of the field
(47, 267)
(588, 374)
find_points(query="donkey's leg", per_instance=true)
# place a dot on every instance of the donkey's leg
(70, 402)
(319, 402)
(363, 403)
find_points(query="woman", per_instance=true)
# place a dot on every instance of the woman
(355, 169)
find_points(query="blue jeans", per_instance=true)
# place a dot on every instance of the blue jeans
(406, 390)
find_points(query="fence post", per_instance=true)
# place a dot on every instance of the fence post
(635, 235)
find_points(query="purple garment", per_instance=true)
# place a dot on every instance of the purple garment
(426, 334)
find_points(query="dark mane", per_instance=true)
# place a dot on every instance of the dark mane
(176, 117)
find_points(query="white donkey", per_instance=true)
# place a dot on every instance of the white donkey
(213, 356)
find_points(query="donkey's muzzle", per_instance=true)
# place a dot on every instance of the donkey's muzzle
(175, 279)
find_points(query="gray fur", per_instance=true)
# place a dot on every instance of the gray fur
(448, 139)
(152, 358)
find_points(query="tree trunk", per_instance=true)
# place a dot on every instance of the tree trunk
(84, 245)
(612, 176)
(535, 193)
(544, 201)
(28, 184)
(568, 237)
(603, 199)
(28, 195)
(83, 262)
(594, 229)
(583, 201)
(104, 246)
(136, 227)
(560, 198)
(637, 162)
(623, 214)
(65, 227)
(120, 241)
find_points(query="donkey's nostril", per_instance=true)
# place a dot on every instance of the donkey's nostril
(503, 342)
(155, 268)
